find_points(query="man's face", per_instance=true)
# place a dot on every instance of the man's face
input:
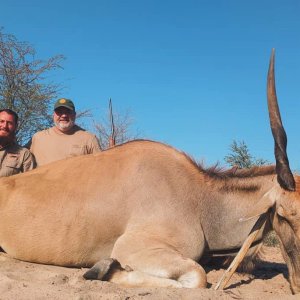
(64, 118)
(8, 125)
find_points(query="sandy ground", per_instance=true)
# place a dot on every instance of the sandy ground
(22, 280)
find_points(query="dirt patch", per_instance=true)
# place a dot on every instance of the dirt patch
(21, 280)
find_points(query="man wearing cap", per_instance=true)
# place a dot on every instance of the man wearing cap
(65, 139)
(14, 159)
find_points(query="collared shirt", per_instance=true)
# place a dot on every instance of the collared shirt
(15, 159)
(50, 145)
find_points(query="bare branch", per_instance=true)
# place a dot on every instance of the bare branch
(23, 85)
(122, 124)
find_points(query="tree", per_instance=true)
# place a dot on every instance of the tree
(23, 86)
(240, 156)
(121, 127)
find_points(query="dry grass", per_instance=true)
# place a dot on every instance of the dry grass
(271, 239)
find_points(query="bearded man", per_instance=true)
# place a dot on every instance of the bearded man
(14, 159)
(65, 139)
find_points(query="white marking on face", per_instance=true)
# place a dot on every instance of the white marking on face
(273, 194)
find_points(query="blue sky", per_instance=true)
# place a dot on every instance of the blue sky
(192, 73)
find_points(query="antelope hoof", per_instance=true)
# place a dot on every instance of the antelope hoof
(103, 269)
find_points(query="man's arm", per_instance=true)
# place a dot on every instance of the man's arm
(28, 161)
(95, 145)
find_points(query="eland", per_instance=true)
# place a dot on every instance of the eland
(143, 213)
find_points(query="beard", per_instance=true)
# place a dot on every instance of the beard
(65, 126)
(4, 140)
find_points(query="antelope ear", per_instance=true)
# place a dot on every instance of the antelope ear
(262, 206)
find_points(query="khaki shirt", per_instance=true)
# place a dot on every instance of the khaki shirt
(50, 145)
(15, 159)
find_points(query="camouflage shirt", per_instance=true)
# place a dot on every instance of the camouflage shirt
(15, 159)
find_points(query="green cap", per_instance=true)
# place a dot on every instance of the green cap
(63, 102)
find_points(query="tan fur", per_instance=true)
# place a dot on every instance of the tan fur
(143, 203)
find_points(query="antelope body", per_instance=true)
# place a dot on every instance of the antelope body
(150, 209)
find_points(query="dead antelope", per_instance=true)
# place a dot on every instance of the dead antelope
(151, 210)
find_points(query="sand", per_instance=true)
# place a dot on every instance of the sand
(23, 280)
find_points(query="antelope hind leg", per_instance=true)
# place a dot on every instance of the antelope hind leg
(110, 270)
(154, 263)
